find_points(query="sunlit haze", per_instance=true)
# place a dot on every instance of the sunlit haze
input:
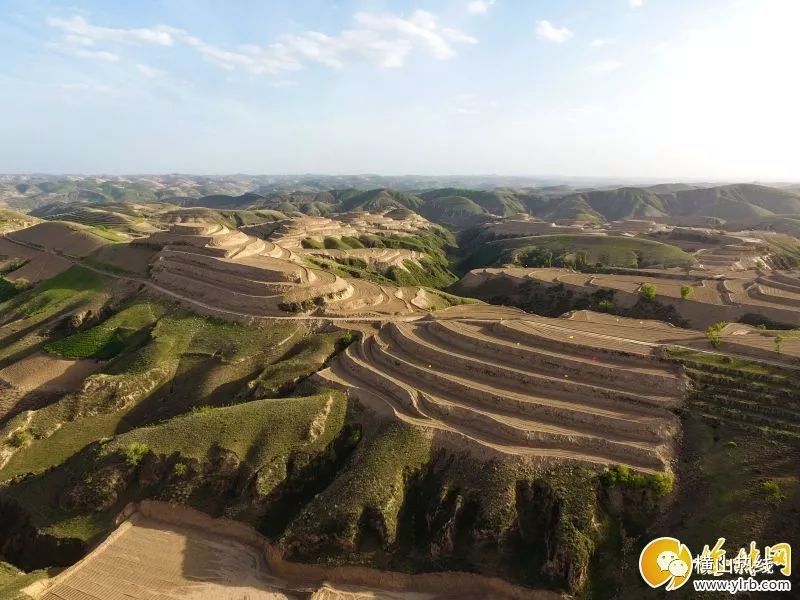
(662, 89)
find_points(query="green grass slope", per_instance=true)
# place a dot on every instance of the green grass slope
(612, 251)
(497, 202)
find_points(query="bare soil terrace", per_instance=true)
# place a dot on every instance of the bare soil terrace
(232, 271)
(773, 295)
(526, 386)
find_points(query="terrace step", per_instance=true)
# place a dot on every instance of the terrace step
(538, 436)
(417, 341)
(613, 350)
(739, 416)
(574, 416)
(469, 339)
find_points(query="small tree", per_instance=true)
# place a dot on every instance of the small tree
(714, 333)
(648, 291)
(581, 260)
(778, 343)
(687, 292)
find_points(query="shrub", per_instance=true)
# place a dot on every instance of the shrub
(201, 410)
(648, 291)
(605, 306)
(332, 243)
(687, 292)
(312, 244)
(778, 343)
(352, 241)
(660, 483)
(344, 341)
(135, 452)
(772, 491)
(713, 333)
(20, 438)
(180, 469)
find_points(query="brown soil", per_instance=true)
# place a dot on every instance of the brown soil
(168, 552)
(26, 382)
(40, 265)
(69, 239)
(525, 386)
(231, 271)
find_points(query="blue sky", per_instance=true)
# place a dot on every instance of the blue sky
(671, 89)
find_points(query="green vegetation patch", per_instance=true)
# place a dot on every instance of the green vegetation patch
(255, 431)
(110, 338)
(7, 289)
(660, 483)
(304, 359)
(426, 273)
(201, 354)
(13, 581)
(373, 484)
(612, 251)
(312, 244)
(59, 292)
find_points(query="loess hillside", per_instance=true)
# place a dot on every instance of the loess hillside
(302, 363)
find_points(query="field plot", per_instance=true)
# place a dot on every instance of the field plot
(771, 296)
(38, 375)
(183, 554)
(70, 239)
(522, 387)
(36, 265)
(702, 291)
(146, 559)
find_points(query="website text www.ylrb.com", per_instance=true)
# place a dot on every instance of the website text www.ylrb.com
(742, 584)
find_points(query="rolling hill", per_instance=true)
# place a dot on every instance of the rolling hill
(611, 251)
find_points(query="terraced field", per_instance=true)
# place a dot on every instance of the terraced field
(292, 232)
(731, 257)
(90, 216)
(229, 270)
(522, 387)
(732, 296)
(380, 258)
(764, 400)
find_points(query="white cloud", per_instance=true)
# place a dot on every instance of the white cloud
(546, 30)
(149, 72)
(479, 7)
(384, 40)
(84, 88)
(607, 66)
(635, 3)
(79, 31)
(97, 55)
(600, 43)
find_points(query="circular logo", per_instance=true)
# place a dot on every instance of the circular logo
(665, 561)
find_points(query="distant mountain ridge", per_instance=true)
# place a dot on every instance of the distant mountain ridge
(455, 207)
